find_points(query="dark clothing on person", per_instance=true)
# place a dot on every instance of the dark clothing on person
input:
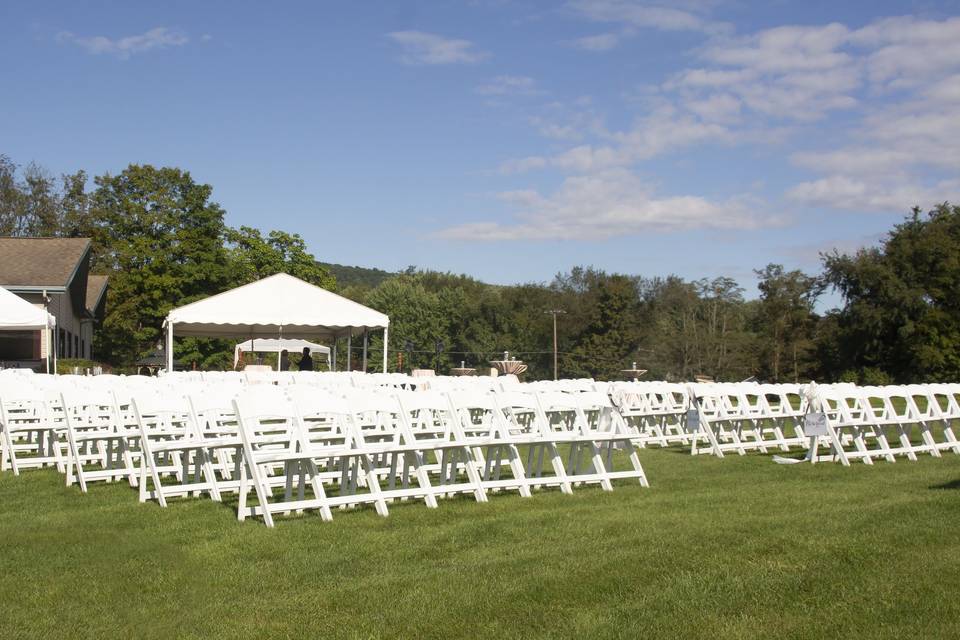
(284, 361)
(306, 363)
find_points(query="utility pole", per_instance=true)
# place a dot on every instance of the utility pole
(554, 313)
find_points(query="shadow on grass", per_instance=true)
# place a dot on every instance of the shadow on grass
(953, 484)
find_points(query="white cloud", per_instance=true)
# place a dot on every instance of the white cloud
(419, 47)
(784, 49)
(844, 192)
(785, 73)
(599, 42)
(664, 129)
(555, 130)
(123, 48)
(903, 155)
(907, 51)
(896, 80)
(609, 204)
(718, 107)
(631, 13)
(508, 85)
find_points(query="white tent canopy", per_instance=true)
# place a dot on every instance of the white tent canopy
(16, 314)
(275, 345)
(275, 307)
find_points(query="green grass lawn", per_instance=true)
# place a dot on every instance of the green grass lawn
(733, 548)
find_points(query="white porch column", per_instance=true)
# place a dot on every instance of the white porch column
(386, 337)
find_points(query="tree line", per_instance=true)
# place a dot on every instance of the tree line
(164, 243)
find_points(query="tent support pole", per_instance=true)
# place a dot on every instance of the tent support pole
(281, 343)
(365, 344)
(350, 351)
(54, 340)
(386, 335)
(334, 353)
(46, 333)
(169, 347)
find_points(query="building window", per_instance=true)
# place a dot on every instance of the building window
(62, 343)
(76, 347)
(83, 349)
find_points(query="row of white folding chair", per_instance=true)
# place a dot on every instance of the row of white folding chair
(102, 442)
(570, 385)
(30, 433)
(420, 445)
(941, 406)
(104, 435)
(893, 412)
(498, 424)
(740, 417)
(588, 423)
(654, 411)
(281, 450)
(877, 423)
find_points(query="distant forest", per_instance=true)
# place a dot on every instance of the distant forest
(164, 243)
(356, 276)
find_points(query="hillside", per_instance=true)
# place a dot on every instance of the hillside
(349, 276)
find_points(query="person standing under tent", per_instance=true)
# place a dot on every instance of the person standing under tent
(284, 361)
(306, 362)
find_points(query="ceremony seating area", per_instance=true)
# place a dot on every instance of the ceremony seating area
(283, 443)
(286, 443)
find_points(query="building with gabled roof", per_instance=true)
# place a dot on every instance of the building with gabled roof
(52, 273)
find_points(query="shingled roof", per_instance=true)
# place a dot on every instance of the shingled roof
(40, 262)
(96, 286)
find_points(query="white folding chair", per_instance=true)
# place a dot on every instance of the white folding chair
(101, 446)
(486, 429)
(276, 454)
(428, 419)
(30, 437)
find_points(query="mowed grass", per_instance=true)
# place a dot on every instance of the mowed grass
(733, 548)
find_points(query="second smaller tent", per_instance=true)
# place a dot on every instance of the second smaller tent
(276, 345)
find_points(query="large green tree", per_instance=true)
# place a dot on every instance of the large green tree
(252, 256)
(160, 237)
(902, 301)
(786, 320)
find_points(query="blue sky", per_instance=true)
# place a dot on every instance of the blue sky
(510, 140)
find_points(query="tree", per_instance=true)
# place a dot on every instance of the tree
(786, 318)
(901, 316)
(252, 257)
(415, 315)
(41, 206)
(161, 239)
(75, 213)
(11, 204)
(612, 335)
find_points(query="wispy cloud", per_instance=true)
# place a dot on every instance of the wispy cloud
(897, 80)
(609, 204)
(664, 129)
(124, 47)
(418, 47)
(509, 85)
(636, 14)
(599, 42)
